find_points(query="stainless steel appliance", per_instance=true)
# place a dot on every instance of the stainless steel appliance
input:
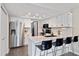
(16, 30)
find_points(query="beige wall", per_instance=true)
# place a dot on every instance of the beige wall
(75, 21)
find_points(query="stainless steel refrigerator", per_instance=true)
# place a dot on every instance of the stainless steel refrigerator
(16, 34)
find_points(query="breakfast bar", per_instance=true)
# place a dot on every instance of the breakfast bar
(38, 40)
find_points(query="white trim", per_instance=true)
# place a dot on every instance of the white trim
(4, 9)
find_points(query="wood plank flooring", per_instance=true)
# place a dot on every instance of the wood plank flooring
(23, 51)
(20, 51)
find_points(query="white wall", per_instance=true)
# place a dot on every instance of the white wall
(4, 32)
(75, 22)
(0, 29)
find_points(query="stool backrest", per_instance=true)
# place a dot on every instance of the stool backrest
(59, 41)
(68, 40)
(75, 39)
(47, 44)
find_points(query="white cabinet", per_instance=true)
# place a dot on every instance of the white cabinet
(70, 19)
(58, 18)
(60, 21)
(64, 20)
(63, 23)
(52, 22)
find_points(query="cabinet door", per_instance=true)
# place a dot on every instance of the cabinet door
(65, 20)
(52, 22)
(59, 20)
(62, 21)
(70, 19)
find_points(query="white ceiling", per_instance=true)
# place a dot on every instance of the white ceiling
(41, 9)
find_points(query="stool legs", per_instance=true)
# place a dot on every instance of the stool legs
(54, 51)
(35, 51)
(44, 53)
(72, 47)
(40, 53)
(63, 49)
(59, 49)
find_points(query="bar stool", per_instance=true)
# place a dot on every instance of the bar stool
(75, 40)
(68, 41)
(46, 45)
(58, 43)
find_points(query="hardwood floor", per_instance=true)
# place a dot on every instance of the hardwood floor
(23, 51)
(20, 51)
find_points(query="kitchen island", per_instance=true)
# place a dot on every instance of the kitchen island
(38, 40)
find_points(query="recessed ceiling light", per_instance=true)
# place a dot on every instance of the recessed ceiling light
(29, 13)
(40, 17)
(33, 16)
(69, 13)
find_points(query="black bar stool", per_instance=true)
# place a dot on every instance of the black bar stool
(75, 40)
(46, 45)
(68, 41)
(58, 43)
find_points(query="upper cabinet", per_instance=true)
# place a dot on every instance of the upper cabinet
(59, 21)
(70, 19)
(52, 22)
(64, 20)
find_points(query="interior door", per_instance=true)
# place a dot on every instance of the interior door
(3, 32)
(0, 30)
